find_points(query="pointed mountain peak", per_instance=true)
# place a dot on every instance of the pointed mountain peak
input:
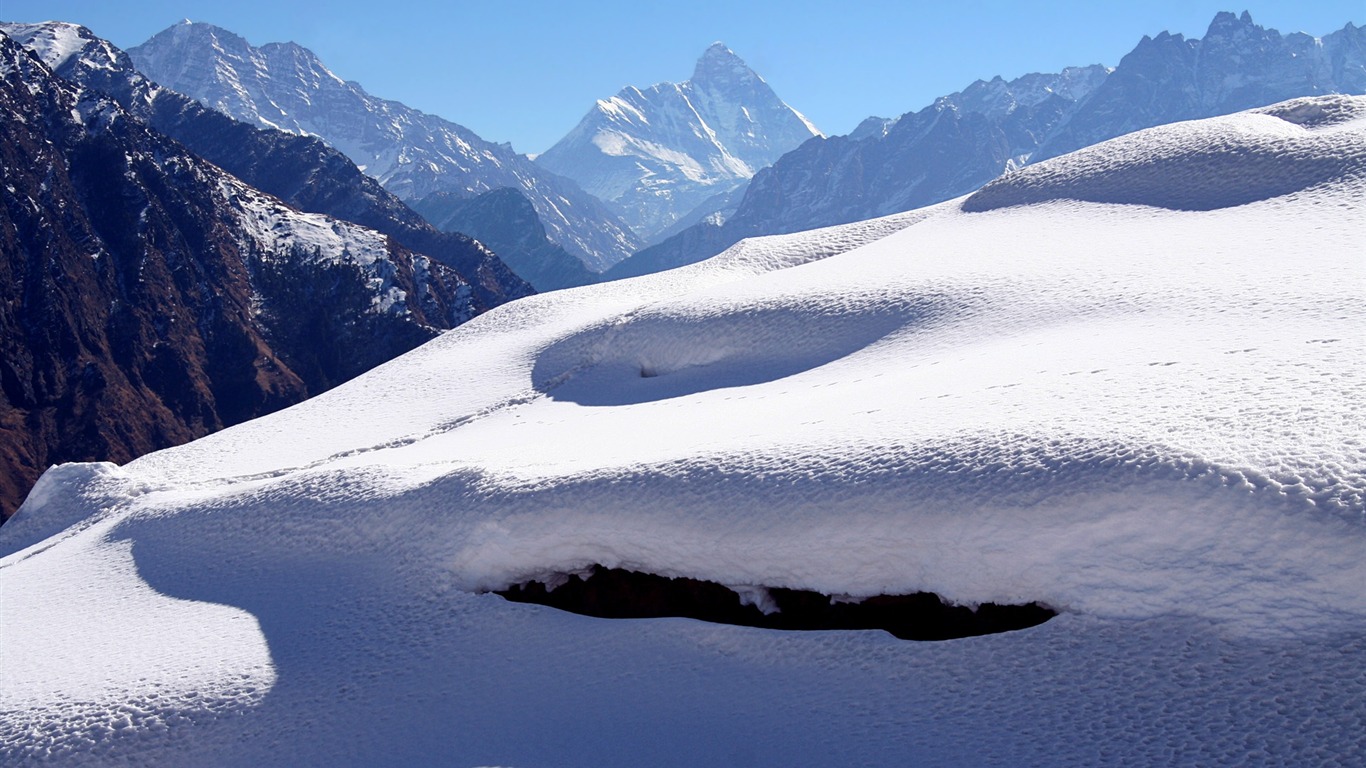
(718, 48)
(199, 30)
(295, 52)
(720, 63)
(1226, 22)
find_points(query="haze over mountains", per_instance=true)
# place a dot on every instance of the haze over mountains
(658, 153)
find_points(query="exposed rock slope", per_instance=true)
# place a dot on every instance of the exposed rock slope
(300, 170)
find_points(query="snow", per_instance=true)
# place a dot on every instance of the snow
(1221, 162)
(273, 227)
(659, 152)
(1147, 417)
(285, 86)
(54, 42)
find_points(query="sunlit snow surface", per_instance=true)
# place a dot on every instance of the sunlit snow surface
(1150, 419)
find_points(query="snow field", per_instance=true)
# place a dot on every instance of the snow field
(1148, 418)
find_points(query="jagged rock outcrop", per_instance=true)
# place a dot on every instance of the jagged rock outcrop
(1237, 65)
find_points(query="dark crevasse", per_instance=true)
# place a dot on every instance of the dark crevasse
(614, 593)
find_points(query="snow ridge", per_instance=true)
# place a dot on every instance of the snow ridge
(1223, 162)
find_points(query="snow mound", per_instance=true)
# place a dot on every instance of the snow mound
(1318, 111)
(1201, 165)
(67, 497)
(1149, 419)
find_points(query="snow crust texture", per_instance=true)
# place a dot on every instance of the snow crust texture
(1149, 418)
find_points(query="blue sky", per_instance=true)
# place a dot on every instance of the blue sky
(526, 71)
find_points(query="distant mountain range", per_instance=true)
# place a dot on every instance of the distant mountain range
(657, 154)
(300, 170)
(285, 86)
(170, 269)
(964, 140)
(150, 297)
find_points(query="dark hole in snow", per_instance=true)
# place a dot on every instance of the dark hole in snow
(613, 593)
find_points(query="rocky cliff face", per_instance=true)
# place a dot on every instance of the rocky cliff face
(413, 154)
(658, 153)
(147, 297)
(966, 139)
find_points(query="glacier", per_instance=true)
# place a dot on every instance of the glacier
(1073, 386)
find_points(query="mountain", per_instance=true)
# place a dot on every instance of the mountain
(656, 154)
(506, 221)
(955, 145)
(300, 170)
(150, 298)
(1237, 65)
(963, 140)
(285, 86)
(1131, 398)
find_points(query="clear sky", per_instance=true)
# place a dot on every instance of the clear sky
(526, 71)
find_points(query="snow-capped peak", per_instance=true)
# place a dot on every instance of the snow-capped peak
(287, 87)
(721, 63)
(659, 152)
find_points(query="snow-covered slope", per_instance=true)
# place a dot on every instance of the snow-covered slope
(660, 152)
(1145, 416)
(964, 140)
(285, 86)
(150, 298)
